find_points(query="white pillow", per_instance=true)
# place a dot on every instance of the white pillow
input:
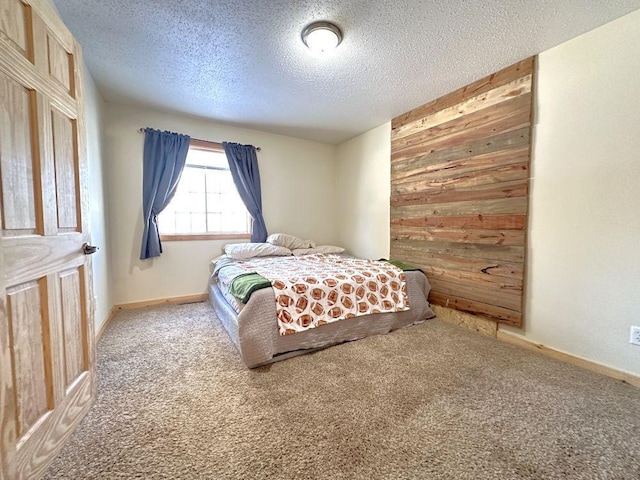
(289, 241)
(326, 249)
(245, 251)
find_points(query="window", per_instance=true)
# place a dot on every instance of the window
(206, 203)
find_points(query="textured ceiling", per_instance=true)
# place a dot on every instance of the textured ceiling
(242, 61)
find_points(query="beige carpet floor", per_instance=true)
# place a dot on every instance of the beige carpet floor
(429, 401)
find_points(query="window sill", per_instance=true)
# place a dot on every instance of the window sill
(205, 236)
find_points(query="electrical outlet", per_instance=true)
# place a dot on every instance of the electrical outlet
(635, 335)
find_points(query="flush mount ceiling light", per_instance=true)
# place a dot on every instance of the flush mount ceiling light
(321, 37)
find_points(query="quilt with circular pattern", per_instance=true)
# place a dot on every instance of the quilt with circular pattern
(314, 290)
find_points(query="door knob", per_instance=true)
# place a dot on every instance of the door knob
(89, 249)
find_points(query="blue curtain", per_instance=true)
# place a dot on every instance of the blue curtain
(243, 164)
(163, 161)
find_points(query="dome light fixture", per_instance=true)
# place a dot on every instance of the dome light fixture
(321, 37)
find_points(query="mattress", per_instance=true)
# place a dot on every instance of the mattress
(233, 302)
(253, 328)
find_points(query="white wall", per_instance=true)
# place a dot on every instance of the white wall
(297, 196)
(583, 282)
(99, 214)
(363, 188)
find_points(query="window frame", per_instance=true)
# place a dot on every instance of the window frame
(212, 147)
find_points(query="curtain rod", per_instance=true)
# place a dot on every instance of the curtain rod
(142, 129)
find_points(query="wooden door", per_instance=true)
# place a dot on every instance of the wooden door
(47, 367)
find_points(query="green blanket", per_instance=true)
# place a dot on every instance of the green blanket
(401, 265)
(244, 285)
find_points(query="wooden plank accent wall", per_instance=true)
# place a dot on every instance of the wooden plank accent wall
(459, 192)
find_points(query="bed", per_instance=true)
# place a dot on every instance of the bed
(253, 326)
